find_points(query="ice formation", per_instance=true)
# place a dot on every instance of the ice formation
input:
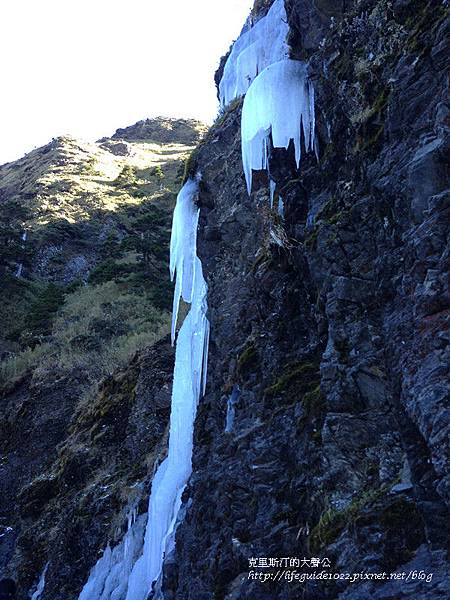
(19, 269)
(41, 584)
(188, 383)
(183, 244)
(255, 49)
(231, 410)
(272, 188)
(108, 580)
(279, 103)
(118, 575)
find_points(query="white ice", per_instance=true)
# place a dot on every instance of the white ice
(272, 188)
(41, 584)
(129, 570)
(254, 50)
(19, 269)
(183, 244)
(231, 409)
(188, 384)
(108, 580)
(280, 103)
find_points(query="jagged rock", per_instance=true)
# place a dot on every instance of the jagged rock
(337, 338)
(116, 148)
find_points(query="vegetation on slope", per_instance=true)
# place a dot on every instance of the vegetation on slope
(89, 284)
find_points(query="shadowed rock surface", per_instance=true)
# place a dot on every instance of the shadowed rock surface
(333, 324)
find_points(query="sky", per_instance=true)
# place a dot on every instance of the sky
(88, 67)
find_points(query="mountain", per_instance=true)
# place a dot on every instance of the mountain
(84, 224)
(85, 296)
(320, 457)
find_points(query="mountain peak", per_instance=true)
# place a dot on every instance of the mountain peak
(164, 130)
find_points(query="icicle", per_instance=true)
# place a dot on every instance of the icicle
(312, 114)
(183, 245)
(19, 270)
(41, 584)
(254, 50)
(188, 382)
(272, 187)
(231, 410)
(280, 206)
(129, 570)
(279, 102)
(108, 580)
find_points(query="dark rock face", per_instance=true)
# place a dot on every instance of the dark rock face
(116, 148)
(333, 325)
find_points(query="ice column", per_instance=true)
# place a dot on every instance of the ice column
(231, 409)
(254, 50)
(118, 575)
(280, 102)
(188, 382)
(108, 580)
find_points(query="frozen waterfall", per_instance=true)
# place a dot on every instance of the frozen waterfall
(114, 577)
(183, 247)
(279, 102)
(254, 50)
(108, 580)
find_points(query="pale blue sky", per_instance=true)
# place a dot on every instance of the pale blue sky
(87, 67)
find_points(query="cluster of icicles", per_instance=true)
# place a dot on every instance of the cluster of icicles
(279, 98)
(278, 108)
(129, 570)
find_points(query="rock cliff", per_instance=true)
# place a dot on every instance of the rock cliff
(330, 323)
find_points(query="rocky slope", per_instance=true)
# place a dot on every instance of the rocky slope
(86, 367)
(330, 325)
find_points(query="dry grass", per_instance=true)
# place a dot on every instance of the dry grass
(97, 330)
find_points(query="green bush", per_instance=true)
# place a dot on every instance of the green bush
(107, 270)
(44, 308)
(97, 329)
(158, 173)
(126, 177)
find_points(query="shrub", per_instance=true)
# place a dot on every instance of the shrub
(126, 177)
(44, 308)
(158, 173)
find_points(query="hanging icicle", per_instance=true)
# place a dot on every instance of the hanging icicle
(280, 102)
(254, 50)
(113, 577)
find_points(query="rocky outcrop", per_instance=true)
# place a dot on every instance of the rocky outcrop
(66, 492)
(330, 325)
(163, 130)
